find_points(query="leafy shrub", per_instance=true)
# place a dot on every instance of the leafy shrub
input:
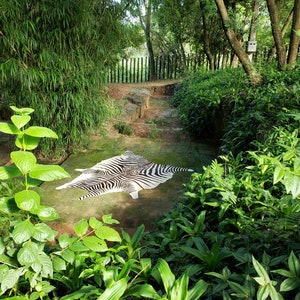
(198, 99)
(54, 57)
(253, 117)
(123, 128)
(239, 223)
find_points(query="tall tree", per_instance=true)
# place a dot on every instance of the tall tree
(294, 37)
(143, 10)
(252, 73)
(206, 37)
(277, 35)
(253, 24)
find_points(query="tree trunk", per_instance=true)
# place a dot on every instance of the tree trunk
(253, 75)
(152, 73)
(280, 48)
(252, 32)
(283, 31)
(206, 41)
(294, 37)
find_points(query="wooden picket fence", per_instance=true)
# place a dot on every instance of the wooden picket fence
(134, 70)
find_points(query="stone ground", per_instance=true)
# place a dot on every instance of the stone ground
(159, 137)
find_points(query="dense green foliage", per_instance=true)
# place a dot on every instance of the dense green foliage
(222, 101)
(53, 56)
(234, 236)
(199, 98)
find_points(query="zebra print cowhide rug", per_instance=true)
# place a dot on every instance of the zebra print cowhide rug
(124, 173)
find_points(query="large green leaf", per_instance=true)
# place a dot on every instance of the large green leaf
(46, 263)
(198, 290)
(48, 172)
(180, 288)
(23, 110)
(28, 253)
(58, 263)
(9, 128)
(8, 172)
(27, 200)
(294, 264)
(47, 213)
(39, 131)
(24, 160)
(167, 277)
(95, 244)
(108, 233)
(27, 142)
(115, 291)
(23, 231)
(10, 279)
(81, 227)
(20, 121)
(264, 277)
(292, 184)
(43, 233)
(145, 291)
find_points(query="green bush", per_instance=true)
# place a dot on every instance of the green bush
(254, 115)
(53, 57)
(199, 97)
(239, 219)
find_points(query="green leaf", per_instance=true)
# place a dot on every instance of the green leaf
(20, 121)
(278, 174)
(39, 131)
(294, 264)
(22, 111)
(23, 231)
(145, 291)
(24, 160)
(168, 278)
(292, 184)
(261, 271)
(48, 172)
(262, 292)
(64, 241)
(94, 223)
(107, 233)
(9, 128)
(95, 244)
(27, 200)
(27, 142)
(2, 246)
(59, 264)
(10, 279)
(43, 233)
(47, 213)
(28, 253)
(198, 290)
(8, 205)
(8, 172)
(68, 256)
(81, 227)
(289, 284)
(138, 235)
(46, 263)
(180, 287)
(115, 291)
(107, 219)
